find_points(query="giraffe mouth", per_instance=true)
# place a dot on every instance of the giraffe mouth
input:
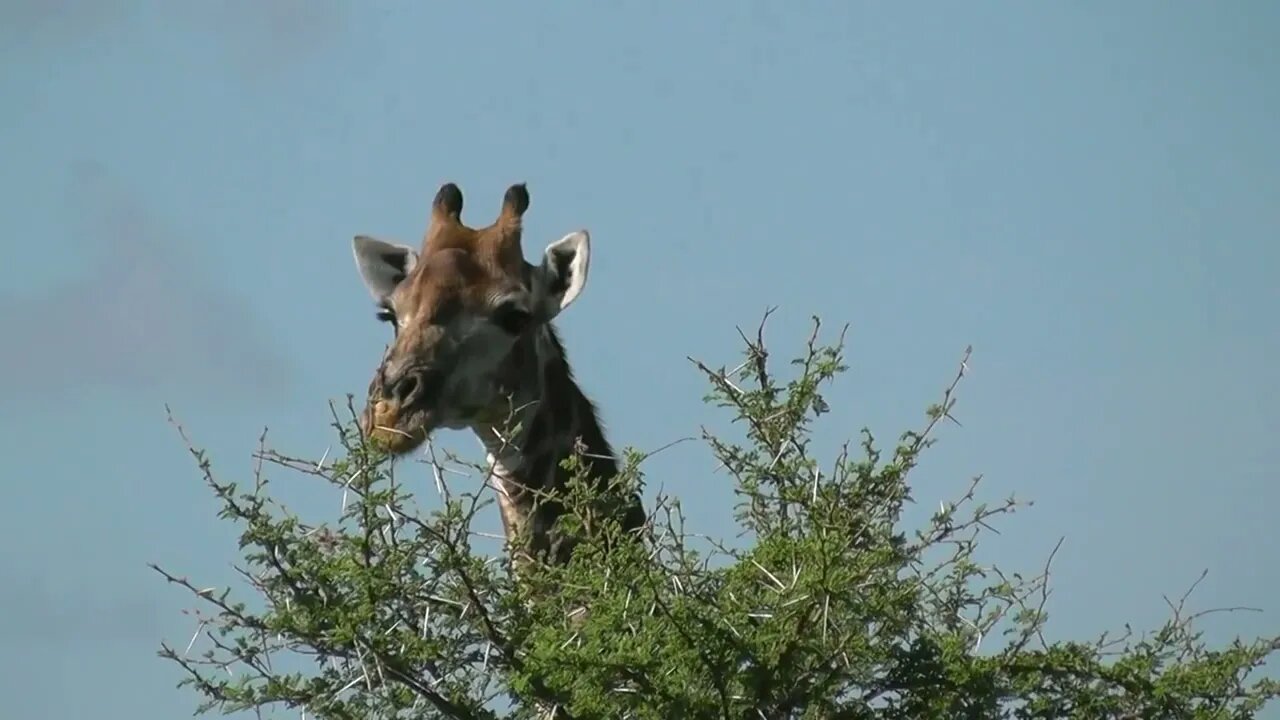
(395, 429)
(402, 428)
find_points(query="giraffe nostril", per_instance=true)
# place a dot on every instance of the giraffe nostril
(407, 388)
(414, 385)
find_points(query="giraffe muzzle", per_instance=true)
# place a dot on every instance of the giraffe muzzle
(400, 413)
(391, 428)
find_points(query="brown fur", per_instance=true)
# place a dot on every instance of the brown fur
(468, 270)
(460, 267)
(496, 248)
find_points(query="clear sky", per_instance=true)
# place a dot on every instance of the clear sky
(1089, 193)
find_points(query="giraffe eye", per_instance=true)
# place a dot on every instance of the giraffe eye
(511, 318)
(386, 314)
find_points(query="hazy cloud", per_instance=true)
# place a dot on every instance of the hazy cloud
(143, 316)
(253, 35)
(56, 21)
(269, 35)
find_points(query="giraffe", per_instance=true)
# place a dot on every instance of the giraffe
(474, 347)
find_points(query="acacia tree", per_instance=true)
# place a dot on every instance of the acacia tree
(828, 606)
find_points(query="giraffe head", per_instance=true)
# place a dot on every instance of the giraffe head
(465, 310)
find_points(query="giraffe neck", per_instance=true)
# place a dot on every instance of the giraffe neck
(554, 417)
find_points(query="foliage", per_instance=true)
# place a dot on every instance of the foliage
(830, 608)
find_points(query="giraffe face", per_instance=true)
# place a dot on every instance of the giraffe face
(461, 313)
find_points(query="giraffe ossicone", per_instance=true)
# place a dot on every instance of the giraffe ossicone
(474, 347)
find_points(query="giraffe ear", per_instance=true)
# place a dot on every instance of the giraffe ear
(563, 272)
(382, 265)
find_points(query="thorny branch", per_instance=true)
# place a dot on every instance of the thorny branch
(834, 611)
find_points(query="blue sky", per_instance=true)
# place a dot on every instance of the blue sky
(1089, 193)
